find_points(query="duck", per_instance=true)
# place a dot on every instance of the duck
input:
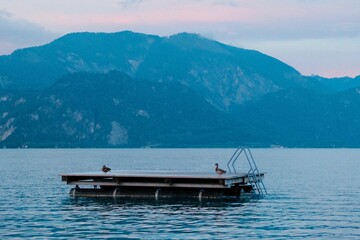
(105, 169)
(219, 170)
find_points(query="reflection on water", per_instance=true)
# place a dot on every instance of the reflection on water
(169, 218)
(163, 202)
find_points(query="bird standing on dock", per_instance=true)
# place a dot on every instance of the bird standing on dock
(219, 170)
(105, 169)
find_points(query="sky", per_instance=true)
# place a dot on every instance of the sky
(317, 37)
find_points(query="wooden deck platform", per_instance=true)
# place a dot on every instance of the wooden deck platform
(157, 184)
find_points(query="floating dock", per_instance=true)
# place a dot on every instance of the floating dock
(158, 184)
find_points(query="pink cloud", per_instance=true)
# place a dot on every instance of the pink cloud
(230, 21)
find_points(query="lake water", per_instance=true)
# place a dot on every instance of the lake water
(313, 194)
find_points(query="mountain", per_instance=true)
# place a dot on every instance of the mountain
(339, 84)
(114, 110)
(129, 89)
(225, 76)
(40, 67)
(302, 118)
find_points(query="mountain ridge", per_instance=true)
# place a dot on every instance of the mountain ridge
(212, 68)
(130, 89)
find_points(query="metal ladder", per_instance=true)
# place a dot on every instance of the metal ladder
(254, 176)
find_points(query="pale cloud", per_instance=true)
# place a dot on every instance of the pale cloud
(263, 19)
(4, 13)
(249, 23)
(129, 3)
(18, 33)
(325, 57)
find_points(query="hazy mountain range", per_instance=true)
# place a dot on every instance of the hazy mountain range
(134, 90)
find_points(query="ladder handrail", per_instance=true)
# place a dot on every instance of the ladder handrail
(233, 159)
(233, 163)
(257, 171)
(253, 174)
(253, 179)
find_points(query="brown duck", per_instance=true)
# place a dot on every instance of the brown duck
(219, 170)
(105, 169)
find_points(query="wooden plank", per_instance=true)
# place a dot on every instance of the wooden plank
(156, 174)
(149, 184)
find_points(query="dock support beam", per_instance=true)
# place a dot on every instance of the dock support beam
(157, 193)
(73, 191)
(115, 192)
(200, 194)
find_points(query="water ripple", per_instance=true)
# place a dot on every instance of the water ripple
(304, 203)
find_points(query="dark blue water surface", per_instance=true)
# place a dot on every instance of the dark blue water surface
(313, 194)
